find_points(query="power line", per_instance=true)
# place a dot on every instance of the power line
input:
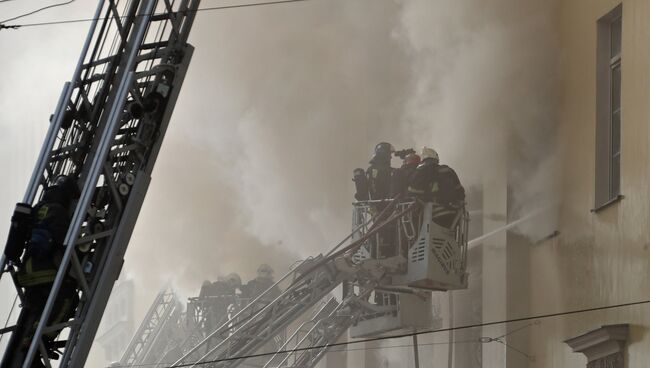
(83, 20)
(474, 341)
(36, 11)
(9, 316)
(425, 332)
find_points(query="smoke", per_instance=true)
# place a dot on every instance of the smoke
(282, 102)
(297, 96)
(483, 94)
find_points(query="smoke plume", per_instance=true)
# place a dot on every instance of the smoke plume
(483, 76)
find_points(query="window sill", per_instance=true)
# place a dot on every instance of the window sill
(608, 203)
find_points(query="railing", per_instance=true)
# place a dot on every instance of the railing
(395, 239)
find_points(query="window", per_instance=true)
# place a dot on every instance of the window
(608, 109)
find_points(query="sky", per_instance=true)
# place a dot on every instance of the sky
(281, 103)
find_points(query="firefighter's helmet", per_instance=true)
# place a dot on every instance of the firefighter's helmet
(234, 279)
(68, 185)
(265, 271)
(384, 149)
(429, 153)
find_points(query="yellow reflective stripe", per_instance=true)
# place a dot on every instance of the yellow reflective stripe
(36, 278)
(42, 212)
(29, 277)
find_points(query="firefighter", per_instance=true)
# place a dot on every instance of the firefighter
(216, 298)
(379, 173)
(361, 184)
(223, 286)
(402, 176)
(37, 269)
(374, 183)
(440, 185)
(260, 284)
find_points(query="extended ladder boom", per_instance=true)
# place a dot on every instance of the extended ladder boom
(258, 322)
(106, 133)
(311, 341)
(153, 336)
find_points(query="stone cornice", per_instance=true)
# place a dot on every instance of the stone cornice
(601, 342)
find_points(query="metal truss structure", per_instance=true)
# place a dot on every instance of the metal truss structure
(106, 133)
(362, 275)
(158, 332)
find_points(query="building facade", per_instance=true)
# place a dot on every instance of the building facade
(601, 254)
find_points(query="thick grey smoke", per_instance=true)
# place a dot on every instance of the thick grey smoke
(483, 93)
(292, 99)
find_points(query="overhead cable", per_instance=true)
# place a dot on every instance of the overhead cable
(83, 20)
(424, 332)
(34, 12)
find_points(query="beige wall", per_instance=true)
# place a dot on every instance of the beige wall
(599, 258)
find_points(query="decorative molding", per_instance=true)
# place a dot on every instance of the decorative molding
(603, 347)
(610, 361)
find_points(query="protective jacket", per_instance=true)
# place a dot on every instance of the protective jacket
(45, 244)
(401, 179)
(379, 177)
(437, 183)
(217, 288)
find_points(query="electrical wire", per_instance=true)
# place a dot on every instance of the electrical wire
(9, 316)
(475, 341)
(424, 332)
(517, 330)
(82, 20)
(37, 10)
(508, 346)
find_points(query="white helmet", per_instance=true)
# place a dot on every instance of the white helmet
(429, 153)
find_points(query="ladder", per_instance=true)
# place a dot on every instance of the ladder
(259, 322)
(156, 331)
(106, 132)
(361, 276)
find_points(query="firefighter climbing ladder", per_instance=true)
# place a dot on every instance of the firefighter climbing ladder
(106, 132)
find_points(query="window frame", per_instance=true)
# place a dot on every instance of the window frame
(608, 111)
